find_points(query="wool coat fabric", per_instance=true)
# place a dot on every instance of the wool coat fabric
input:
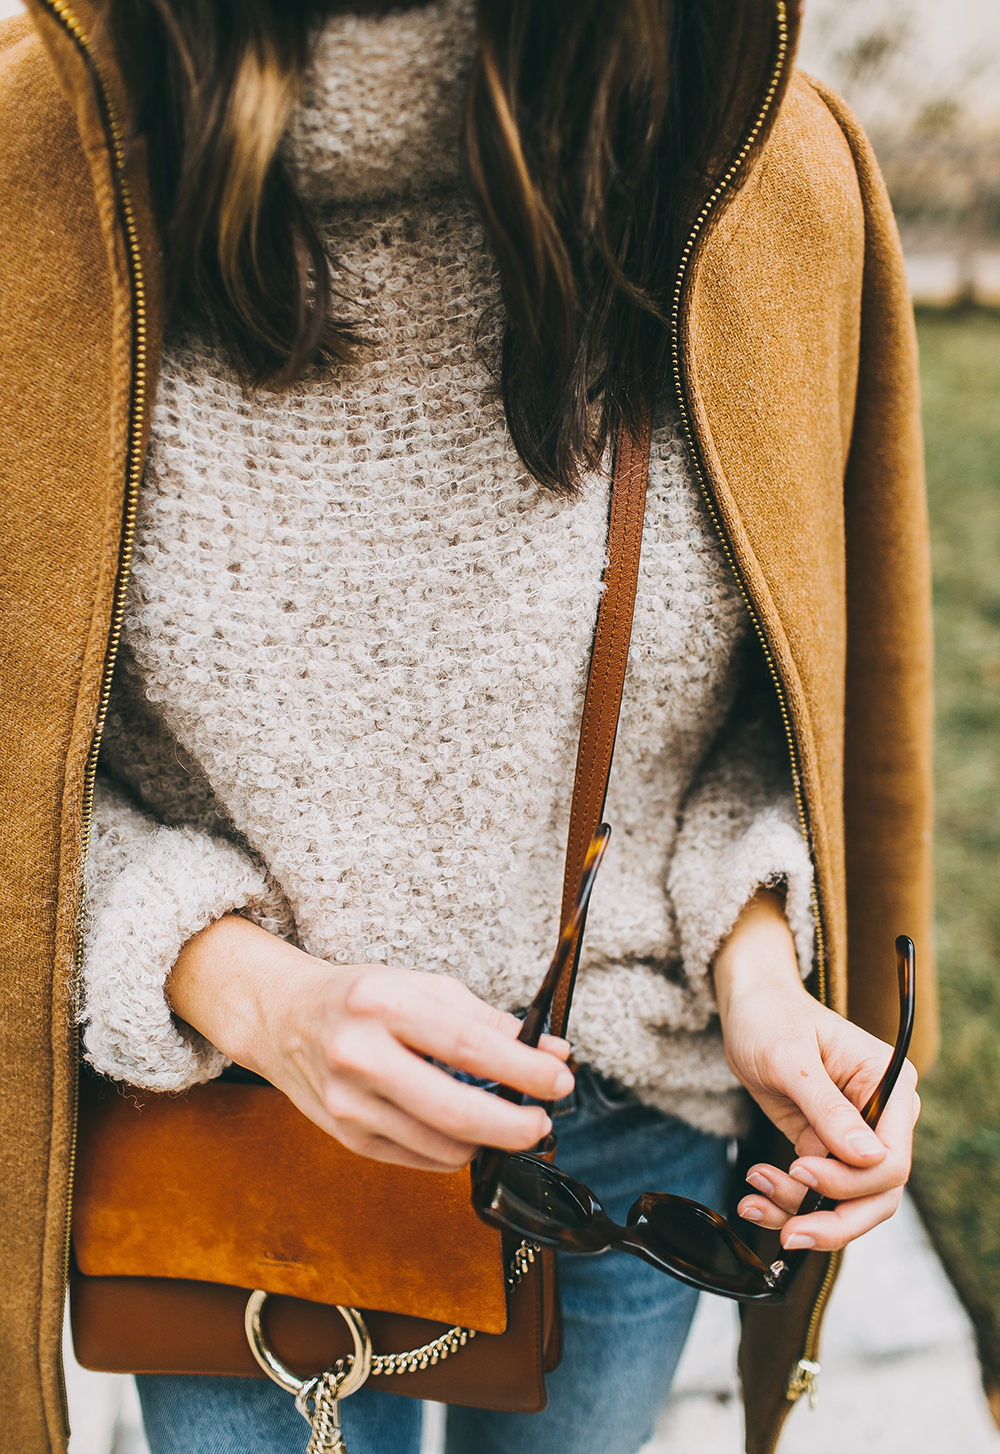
(797, 383)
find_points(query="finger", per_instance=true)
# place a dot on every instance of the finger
(449, 991)
(551, 1044)
(469, 1042)
(452, 992)
(895, 1130)
(837, 1123)
(555, 1045)
(807, 1143)
(362, 1120)
(376, 1129)
(370, 1058)
(831, 1178)
(777, 1187)
(377, 1148)
(828, 1231)
(762, 1212)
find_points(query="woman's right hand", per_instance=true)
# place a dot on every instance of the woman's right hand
(347, 1044)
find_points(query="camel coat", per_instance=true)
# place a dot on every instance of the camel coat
(796, 374)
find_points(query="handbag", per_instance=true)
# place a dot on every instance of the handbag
(192, 1212)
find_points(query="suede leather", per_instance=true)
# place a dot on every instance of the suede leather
(65, 342)
(798, 369)
(793, 424)
(309, 1220)
(817, 479)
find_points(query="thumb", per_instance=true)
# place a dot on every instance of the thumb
(835, 1120)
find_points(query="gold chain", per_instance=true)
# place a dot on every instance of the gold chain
(326, 1436)
(429, 1354)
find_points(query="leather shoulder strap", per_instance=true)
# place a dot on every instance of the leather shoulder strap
(606, 678)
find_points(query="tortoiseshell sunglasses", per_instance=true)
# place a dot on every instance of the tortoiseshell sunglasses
(522, 1193)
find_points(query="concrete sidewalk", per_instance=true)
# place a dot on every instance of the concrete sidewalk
(899, 1371)
(899, 1366)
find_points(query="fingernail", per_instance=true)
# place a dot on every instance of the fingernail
(546, 1126)
(864, 1143)
(752, 1214)
(760, 1183)
(799, 1173)
(564, 1083)
(798, 1240)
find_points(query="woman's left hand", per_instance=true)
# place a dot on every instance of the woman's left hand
(810, 1071)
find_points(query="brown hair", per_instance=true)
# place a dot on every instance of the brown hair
(589, 128)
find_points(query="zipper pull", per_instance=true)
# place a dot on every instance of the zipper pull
(803, 1380)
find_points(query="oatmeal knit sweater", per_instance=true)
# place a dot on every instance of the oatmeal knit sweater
(356, 648)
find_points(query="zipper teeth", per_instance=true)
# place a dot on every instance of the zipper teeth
(70, 22)
(826, 1287)
(682, 273)
(686, 255)
(698, 227)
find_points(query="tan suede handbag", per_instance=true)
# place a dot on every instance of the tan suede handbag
(221, 1231)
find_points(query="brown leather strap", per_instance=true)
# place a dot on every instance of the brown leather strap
(606, 679)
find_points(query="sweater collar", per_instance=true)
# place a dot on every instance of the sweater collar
(382, 104)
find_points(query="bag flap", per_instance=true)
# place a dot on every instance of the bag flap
(231, 1184)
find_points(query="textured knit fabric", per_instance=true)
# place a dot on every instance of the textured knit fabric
(357, 640)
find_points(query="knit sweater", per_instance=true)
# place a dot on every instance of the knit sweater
(356, 646)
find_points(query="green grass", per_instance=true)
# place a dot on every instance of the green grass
(957, 1162)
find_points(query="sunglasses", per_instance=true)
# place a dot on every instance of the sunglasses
(526, 1194)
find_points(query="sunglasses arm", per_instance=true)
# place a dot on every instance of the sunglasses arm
(538, 1011)
(814, 1201)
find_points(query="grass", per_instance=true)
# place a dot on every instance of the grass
(956, 1177)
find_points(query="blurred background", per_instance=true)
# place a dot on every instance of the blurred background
(900, 1369)
(925, 80)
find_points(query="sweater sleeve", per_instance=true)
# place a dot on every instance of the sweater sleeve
(149, 889)
(739, 833)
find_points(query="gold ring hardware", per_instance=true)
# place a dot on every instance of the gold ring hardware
(428, 1355)
(352, 1371)
(317, 1399)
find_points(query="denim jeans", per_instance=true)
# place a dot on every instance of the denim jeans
(624, 1324)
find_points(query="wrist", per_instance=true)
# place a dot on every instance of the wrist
(231, 983)
(758, 956)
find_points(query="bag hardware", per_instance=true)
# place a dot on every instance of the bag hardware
(325, 1390)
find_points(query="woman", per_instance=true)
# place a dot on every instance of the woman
(350, 651)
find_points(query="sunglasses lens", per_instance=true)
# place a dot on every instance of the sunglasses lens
(690, 1235)
(539, 1201)
(537, 1185)
(692, 1239)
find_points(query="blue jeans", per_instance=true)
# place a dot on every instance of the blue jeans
(624, 1324)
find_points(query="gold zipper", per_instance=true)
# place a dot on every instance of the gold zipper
(806, 1371)
(697, 228)
(137, 412)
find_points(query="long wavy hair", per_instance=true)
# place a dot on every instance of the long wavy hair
(590, 127)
